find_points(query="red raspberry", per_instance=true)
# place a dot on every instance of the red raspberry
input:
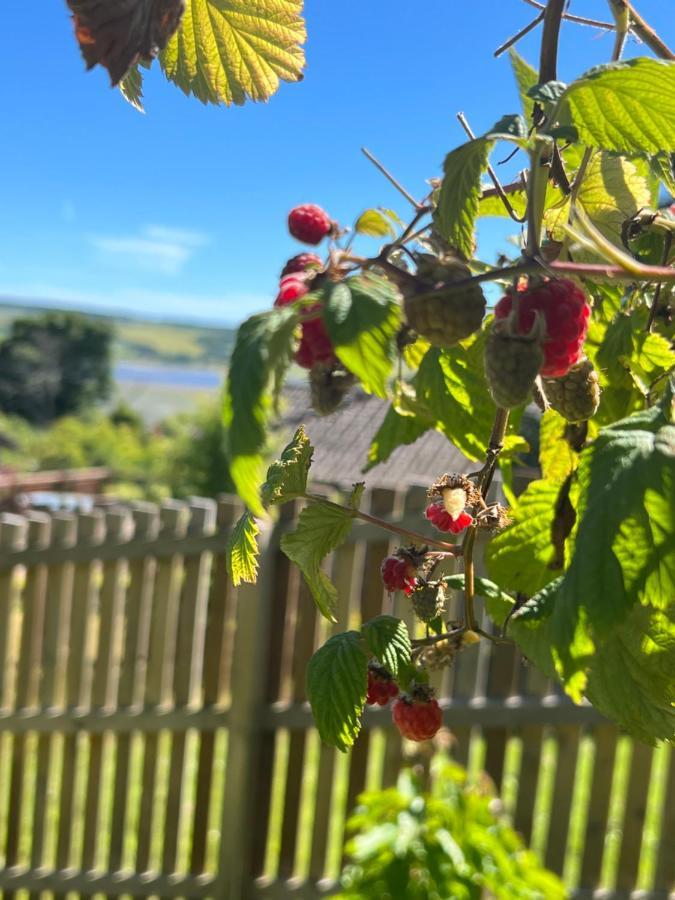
(418, 718)
(309, 223)
(438, 516)
(291, 288)
(398, 574)
(315, 344)
(301, 263)
(381, 686)
(566, 312)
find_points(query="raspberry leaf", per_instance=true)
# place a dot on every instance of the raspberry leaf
(518, 559)
(263, 345)
(241, 552)
(526, 78)
(375, 223)
(388, 640)
(337, 679)
(321, 528)
(226, 51)
(627, 107)
(362, 316)
(287, 476)
(395, 431)
(131, 88)
(460, 194)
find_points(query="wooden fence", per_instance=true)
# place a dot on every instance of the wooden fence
(146, 752)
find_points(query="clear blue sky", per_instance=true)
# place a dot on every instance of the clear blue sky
(181, 213)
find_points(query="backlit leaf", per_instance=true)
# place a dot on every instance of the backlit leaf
(337, 679)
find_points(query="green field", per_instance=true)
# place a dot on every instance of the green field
(150, 341)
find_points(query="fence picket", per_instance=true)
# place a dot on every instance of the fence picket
(634, 816)
(665, 866)
(567, 738)
(605, 738)
(13, 532)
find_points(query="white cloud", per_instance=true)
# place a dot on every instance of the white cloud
(156, 248)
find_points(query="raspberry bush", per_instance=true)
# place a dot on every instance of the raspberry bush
(582, 563)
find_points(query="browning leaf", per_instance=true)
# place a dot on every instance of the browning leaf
(118, 33)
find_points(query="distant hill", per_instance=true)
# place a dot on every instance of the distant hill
(148, 341)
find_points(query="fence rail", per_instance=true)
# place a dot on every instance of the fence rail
(155, 739)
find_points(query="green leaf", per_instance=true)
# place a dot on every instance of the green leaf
(263, 343)
(362, 316)
(548, 92)
(460, 194)
(388, 640)
(497, 601)
(337, 679)
(376, 223)
(613, 189)
(518, 559)
(131, 88)
(627, 107)
(493, 206)
(357, 495)
(321, 528)
(526, 77)
(556, 457)
(287, 477)
(226, 51)
(241, 551)
(395, 431)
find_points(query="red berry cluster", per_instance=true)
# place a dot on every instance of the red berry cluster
(308, 223)
(565, 310)
(381, 686)
(437, 514)
(398, 573)
(417, 716)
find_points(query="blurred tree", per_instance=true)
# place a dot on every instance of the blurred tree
(53, 365)
(199, 464)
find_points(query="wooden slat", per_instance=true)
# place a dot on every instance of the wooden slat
(13, 534)
(39, 529)
(533, 684)
(665, 865)
(567, 738)
(634, 816)
(133, 669)
(605, 738)
(161, 644)
(188, 668)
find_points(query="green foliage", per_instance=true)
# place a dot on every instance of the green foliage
(198, 463)
(321, 528)
(627, 107)
(337, 678)
(54, 365)
(526, 78)
(362, 318)
(441, 842)
(242, 551)
(388, 640)
(377, 223)
(287, 477)
(226, 51)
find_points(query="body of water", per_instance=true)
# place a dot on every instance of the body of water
(175, 376)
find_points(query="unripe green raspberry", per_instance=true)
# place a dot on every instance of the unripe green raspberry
(328, 387)
(512, 362)
(428, 600)
(576, 396)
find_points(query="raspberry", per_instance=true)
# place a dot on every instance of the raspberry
(398, 573)
(328, 386)
(309, 223)
(315, 344)
(437, 514)
(512, 362)
(381, 686)
(290, 288)
(301, 263)
(418, 716)
(437, 311)
(428, 600)
(566, 312)
(576, 395)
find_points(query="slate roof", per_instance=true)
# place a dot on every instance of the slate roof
(341, 443)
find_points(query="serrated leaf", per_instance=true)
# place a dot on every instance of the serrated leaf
(388, 640)
(509, 128)
(493, 206)
(287, 476)
(548, 92)
(227, 51)
(460, 191)
(337, 679)
(375, 223)
(241, 551)
(362, 317)
(321, 528)
(627, 107)
(518, 558)
(131, 88)
(556, 457)
(526, 77)
(413, 354)
(395, 431)
(262, 343)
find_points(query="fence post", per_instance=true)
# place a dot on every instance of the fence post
(248, 674)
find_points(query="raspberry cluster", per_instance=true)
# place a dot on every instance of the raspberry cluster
(565, 310)
(417, 716)
(438, 515)
(301, 263)
(398, 573)
(381, 686)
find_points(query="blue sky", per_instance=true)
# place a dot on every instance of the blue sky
(180, 213)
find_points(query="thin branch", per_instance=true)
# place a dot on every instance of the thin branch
(579, 20)
(657, 293)
(387, 174)
(548, 58)
(520, 34)
(641, 29)
(501, 193)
